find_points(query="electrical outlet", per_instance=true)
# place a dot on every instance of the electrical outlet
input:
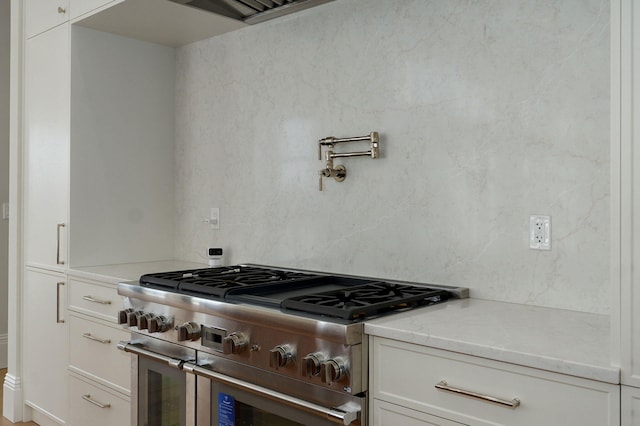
(540, 232)
(5, 211)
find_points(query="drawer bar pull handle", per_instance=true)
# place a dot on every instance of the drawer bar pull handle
(59, 320)
(442, 385)
(97, 339)
(59, 261)
(88, 398)
(94, 300)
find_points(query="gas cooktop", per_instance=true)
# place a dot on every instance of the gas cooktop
(336, 296)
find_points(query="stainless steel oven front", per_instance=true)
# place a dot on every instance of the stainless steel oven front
(173, 385)
(161, 392)
(255, 397)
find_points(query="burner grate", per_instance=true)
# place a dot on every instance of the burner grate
(367, 300)
(216, 282)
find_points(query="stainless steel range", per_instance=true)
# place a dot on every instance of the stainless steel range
(256, 345)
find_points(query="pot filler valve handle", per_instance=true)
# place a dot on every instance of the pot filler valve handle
(339, 173)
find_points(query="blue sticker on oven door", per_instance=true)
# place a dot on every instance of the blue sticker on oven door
(226, 410)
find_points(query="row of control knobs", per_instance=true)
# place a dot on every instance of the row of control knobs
(158, 324)
(145, 320)
(314, 364)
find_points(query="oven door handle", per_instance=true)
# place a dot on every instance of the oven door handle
(345, 414)
(135, 348)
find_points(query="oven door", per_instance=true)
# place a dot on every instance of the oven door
(159, 388)
(228, 401)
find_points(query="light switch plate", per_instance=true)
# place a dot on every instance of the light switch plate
(215, 218)
(5, 211)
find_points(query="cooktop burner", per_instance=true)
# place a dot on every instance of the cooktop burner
(343, 297)
(216, 282)
(366, 300)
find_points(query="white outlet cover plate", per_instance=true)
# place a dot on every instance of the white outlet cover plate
(540, 232)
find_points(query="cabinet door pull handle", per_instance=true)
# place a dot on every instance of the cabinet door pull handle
(94, 338)
(61, 10)
(58, 260)
(443, 386)
(88, 398)
(94, 300)
(58, 319)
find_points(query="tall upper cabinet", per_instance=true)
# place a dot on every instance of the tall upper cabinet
(46, 146)
(46, 204)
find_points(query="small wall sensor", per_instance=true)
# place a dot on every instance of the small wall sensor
(215, 257)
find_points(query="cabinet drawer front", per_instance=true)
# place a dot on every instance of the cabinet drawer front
(97, 300)
(390, 414)
(92, 405)
(94, 352)
(406, 375)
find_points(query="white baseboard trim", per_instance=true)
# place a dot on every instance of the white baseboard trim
(4, 347)
(12, 398)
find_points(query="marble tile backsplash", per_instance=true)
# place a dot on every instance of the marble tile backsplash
(488, 111)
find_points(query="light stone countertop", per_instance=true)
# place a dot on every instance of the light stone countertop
(561, 341)
(130, 271)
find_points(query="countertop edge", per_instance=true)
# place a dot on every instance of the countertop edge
(572, 368)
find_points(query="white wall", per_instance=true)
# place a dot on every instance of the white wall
(122, 97)
(488, 112)
(4, 172)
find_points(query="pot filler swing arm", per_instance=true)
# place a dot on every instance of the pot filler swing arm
(339, 172)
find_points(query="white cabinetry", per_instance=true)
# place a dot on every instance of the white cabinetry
(46, 148)
(46, 207)
(94, 334)
(96, 405)
(80, 7)
(385, 413)
(629, 33)
(45, 343)
(404, 376)
(45, 14)
(630, 406)
(97, 367)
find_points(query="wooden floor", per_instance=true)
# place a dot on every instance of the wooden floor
(3, 421)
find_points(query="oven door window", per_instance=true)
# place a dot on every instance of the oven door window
(234, 407)
(161, 396)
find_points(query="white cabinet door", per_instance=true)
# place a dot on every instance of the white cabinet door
(45, 14)
(46, 147)
(80, 7)
(45, 340)
(630, 406)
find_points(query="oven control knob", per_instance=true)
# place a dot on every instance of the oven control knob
(332, 370)
(281, 356)
(311, 364)
(159, 324)
(143, 320)
(235, 343)
(122, 316)
(188, 331)
(132, 318)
